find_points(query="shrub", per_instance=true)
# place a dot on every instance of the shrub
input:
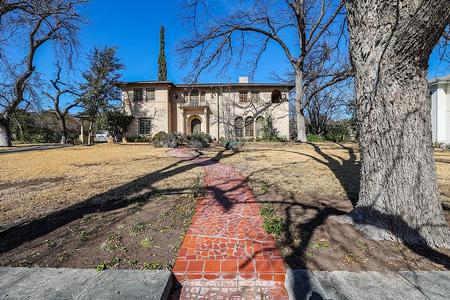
(199, 140)
(269, 133)
(171, 140)
(315, 138)
(117, 123)
(182, 140)
(158, 139)
(337, 133)
(139, 139)
(205, 136)
(230, 144)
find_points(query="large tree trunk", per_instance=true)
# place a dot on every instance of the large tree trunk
(5, 133)
(390, 47)
(299, 111)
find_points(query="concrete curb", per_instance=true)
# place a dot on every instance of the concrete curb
(304, 284)
(64, 283)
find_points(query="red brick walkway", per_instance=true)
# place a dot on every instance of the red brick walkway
(226, 253)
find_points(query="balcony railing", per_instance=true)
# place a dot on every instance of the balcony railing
(194, 103)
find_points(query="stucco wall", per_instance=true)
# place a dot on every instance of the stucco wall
(158, 110)
(221, 117)
(170, 114)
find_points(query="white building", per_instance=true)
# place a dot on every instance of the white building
(440, 109)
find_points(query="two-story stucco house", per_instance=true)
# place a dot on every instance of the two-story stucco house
(440, 109)
(229, 110)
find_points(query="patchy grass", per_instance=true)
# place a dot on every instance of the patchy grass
(91, 207)
(138, 228)
(147, 242)
(114, 242)
(272, 223)
(198, 188)
(84, 235)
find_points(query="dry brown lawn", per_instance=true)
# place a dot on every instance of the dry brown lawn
(128, 206)
(37, 182)
(87, 206)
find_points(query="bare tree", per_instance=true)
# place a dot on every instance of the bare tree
(36, 23)
(391, 42)
(326, 106)
(308, 32)
(62, 89)
(9, 6)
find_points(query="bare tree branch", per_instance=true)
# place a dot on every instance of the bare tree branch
(254, 26)
(42, 22)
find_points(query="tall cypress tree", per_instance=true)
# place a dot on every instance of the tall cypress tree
(162, 65)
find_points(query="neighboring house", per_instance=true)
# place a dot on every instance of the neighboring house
(229, 110)
(440, 109)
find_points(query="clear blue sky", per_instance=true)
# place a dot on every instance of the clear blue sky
(134, 29)
(133, 26)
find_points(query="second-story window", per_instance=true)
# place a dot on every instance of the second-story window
(255, 96)
(202, 96)
(243, 96)
(149, 94)
(138, 94)
(194, 96)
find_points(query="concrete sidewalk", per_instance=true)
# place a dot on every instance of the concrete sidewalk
(50, 283)
(303, 284)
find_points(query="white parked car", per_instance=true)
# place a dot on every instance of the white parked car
(101, 136)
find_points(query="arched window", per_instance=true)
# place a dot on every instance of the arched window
(259, 126)
(239, 127)
(249, 131)
(276, 96)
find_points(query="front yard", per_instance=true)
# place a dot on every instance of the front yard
(107, 206)
(128, 206)
(302, 187)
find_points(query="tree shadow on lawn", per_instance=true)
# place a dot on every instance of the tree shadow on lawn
(347, 172)
(136, 191)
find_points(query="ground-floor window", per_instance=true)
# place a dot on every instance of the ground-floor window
(239, 127)
(145, 126)
(249, 132)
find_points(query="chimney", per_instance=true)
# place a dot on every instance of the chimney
(243, 79)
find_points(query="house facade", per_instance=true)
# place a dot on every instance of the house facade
(223, 110)
(440, 109)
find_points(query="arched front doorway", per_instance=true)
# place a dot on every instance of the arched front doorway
(196, 125)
